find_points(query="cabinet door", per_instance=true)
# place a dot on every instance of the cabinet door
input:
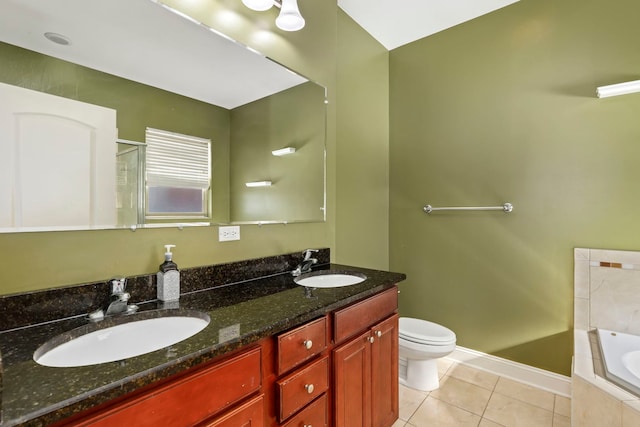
(352, 383)
(384, 372)
(250, 414)
(187, 400)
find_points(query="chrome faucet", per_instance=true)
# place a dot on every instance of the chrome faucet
(118, 303)
(307, 262)
(120, 299)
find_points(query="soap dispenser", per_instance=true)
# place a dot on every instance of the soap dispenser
(168, 278)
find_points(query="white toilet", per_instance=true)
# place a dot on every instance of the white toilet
(421, 343)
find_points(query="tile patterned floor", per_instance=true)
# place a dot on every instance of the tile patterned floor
(471, 397)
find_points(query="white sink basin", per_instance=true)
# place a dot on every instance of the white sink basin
(330, 280)
(120, 341)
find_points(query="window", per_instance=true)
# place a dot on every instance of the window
(178, 175)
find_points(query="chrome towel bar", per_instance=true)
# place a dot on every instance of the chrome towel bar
(507, 207)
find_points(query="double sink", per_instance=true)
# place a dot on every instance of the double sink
(123, 337)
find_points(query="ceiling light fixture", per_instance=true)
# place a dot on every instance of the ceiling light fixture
(58, 39)
(618, 89)
(258, 5)
(289, 18)
(283, 151)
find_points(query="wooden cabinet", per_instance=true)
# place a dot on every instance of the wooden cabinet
(384, 372)
(352, 383)
(189, 399)
(300, 388)
(303, 349)
(313, 415)
(339, 370)
(366, 377)
(301, 344)
(250, 414)
(365, 372)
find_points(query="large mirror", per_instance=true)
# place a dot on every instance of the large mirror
(91, 81)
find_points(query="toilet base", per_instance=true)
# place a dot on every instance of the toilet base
(421, 374)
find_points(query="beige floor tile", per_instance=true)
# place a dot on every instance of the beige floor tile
(473, 376)
(410, 400)
(515, 413)
(561, 421)
(562, 406)
(488, 423)
(462, 394)
(443, 366)
(436, 413)
(399, 423)
(525, 393)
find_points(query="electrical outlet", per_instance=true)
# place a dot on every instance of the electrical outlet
(231, 232)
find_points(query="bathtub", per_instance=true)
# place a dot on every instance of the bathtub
(621, 358)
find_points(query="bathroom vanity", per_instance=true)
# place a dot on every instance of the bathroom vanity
(274, 354)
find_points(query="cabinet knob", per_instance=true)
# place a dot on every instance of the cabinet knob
(309, 388)
(307, 425)
(371, 339)
(378, 334)
(307, 344)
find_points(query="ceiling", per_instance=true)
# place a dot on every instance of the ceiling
(397, 22)
(145, 44)
(106, 39)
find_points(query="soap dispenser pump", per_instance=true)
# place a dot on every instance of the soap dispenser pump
(168, 277)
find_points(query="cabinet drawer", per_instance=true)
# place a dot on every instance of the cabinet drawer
(190, 399)
(250, 414)
(302, 386)
(301, 344)
(313, 415)
(360, 316)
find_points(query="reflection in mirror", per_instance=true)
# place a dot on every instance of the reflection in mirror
(173, 77)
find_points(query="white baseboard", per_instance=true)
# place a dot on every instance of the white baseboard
(536, 377)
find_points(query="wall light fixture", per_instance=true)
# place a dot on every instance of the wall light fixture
(284, 151)
(289, 18)
(618, 89)
(258, 184)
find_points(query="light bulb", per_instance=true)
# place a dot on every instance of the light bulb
(289, 18)
(259, 5)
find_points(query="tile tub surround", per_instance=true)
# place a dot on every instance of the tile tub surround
(32, 308)
(36, 395)
(606, 295)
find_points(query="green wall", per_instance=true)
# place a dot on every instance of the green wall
(503, 109)
(291, 118)
(32, 261)
(362, 224)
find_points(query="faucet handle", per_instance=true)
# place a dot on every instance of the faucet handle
(307, 253)
(118, 285)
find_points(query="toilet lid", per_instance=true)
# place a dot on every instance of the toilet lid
(422, 331)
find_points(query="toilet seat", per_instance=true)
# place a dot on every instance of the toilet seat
(423, 332)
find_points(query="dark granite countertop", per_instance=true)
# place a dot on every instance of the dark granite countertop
(35, 395)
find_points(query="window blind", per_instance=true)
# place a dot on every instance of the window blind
(176, 160)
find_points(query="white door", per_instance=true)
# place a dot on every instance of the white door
(57, 162)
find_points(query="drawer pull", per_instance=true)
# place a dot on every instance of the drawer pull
(378, 334)
(309, 388)
(308, 344)
(371, 339)
(307, 425)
